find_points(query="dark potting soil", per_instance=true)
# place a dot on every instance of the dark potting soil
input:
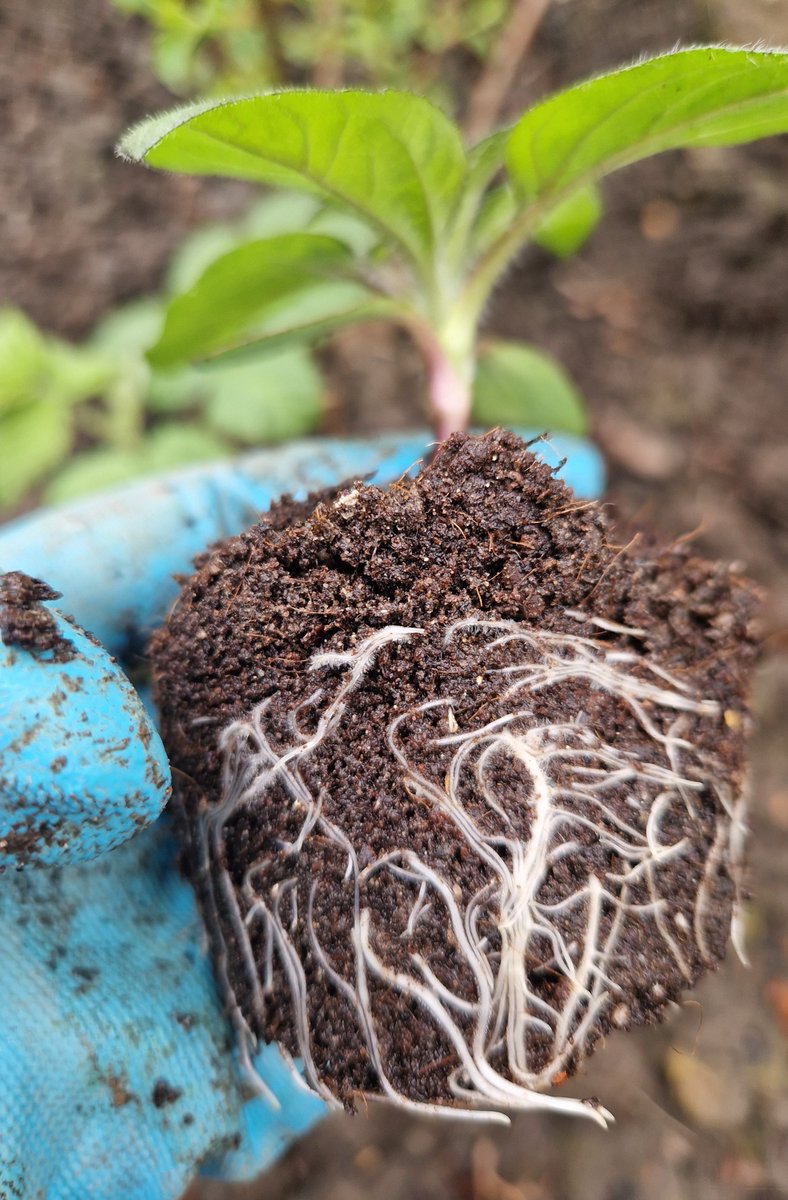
(459, 775)
(24, 621)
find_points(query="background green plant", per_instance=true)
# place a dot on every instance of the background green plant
(74, 419)
(220, 46)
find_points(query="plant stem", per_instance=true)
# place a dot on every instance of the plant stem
(482, 280)
(450, 397)
(449, 380)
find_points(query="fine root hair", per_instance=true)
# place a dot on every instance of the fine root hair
(621, 816)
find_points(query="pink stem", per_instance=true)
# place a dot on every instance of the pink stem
(449, 393)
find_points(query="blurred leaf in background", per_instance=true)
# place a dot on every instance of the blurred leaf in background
(42, 381)
(268, 400)
(217, 47)
(75, 419)
(169, 445)
(517, 384)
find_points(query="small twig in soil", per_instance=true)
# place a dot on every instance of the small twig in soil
(489, 95)
(269, 15)
(329, 68)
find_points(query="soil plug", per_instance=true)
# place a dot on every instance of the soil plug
(460, 780)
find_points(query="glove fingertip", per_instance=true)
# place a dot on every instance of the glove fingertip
(81, 767)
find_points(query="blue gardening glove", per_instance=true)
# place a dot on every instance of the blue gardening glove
(118, 1076)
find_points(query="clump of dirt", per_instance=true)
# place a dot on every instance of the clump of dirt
(24, 621)
(460, 777)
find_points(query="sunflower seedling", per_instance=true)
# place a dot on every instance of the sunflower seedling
(416, 228)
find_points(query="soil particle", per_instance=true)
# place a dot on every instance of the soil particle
(508, 810)
(163, 1093)
(81, 232)
(26, 839)
(24, 621)
(119, 1092)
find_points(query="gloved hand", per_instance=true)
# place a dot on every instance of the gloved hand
(118, 1076)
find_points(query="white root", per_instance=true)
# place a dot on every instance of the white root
(510, 1043)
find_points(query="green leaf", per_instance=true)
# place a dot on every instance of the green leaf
(78, 372)
(701, 97)
(347, 227)
(485, 159)
(517, 385)
(130, 330)
(177, 389)
(250, 285)
(276, 213)
(270, 399)
(33, 440)
(308, 315)
(390, 156)
(176, 59)
(176, 444)
(279, 212)
(92, 471)
(569, 224)
(23, 359)
(124, 336)
(34, 367)
(496, 213)
(171, 445)
(196, 253)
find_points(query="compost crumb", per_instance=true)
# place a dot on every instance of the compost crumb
(459, 775)
(164, 1093)
(24, 622)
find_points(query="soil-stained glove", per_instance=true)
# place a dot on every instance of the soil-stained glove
(117, 1076)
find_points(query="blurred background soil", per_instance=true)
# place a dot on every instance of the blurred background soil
(674, 322)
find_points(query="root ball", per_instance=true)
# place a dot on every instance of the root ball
(461, 778)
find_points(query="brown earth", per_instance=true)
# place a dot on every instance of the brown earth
(674, 322)
(25, 622)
